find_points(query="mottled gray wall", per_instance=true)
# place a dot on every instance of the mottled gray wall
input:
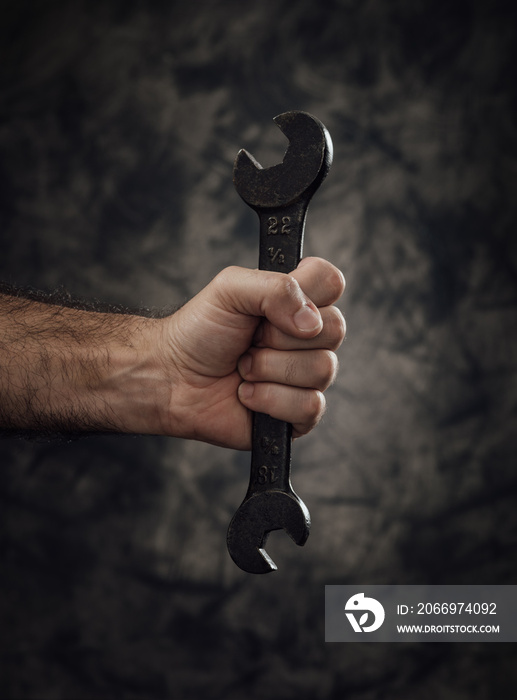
(119, 123)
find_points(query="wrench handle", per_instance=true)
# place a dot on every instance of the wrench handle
(270, 455)
(281, 244)
(281, 237)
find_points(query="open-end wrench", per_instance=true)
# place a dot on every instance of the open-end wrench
(280, 195)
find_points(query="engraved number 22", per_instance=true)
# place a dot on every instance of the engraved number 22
(272, 225)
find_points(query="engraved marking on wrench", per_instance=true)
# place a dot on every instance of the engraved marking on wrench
(276, 255)
(267, 475)
(272, 228)
(269, 446)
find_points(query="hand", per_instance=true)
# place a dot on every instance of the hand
(253, 341)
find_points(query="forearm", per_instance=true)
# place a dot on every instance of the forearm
(67, 370)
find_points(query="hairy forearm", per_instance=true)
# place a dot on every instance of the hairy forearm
(66, 370)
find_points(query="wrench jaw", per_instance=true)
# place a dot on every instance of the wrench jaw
(310, 147)
(305, 165)
(259, 515)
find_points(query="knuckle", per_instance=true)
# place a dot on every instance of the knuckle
(314, 408)
(263, 364)
(336, 327)
(226, 274)
(223, 283)
(287, 286)
(328, 367)
(290, 371)
(331, 276)
(268, 364)
(284, 288)
(335, 281)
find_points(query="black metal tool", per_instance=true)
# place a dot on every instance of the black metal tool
(280, 195)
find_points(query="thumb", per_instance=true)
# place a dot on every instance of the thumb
(273, 295)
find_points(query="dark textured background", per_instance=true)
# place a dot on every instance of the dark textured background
(119, 123)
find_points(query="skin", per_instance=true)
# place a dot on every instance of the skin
(249, 341)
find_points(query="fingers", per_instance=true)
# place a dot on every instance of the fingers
(310, 369)
(287, 385)
(321, 281)
(273, 295)
(290, 302)
(291, 360)
(330, 337)
(303, 408)
(323, 284)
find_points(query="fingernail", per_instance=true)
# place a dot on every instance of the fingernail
(246, 390)
(306, 319)
(245, 364)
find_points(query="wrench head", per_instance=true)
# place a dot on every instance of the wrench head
(256, 518)
(306, 163)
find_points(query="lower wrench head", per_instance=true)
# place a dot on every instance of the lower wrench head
(256, 518)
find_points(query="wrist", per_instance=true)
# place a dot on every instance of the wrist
(133, 389)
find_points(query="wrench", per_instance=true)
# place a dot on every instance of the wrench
(280, 195)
